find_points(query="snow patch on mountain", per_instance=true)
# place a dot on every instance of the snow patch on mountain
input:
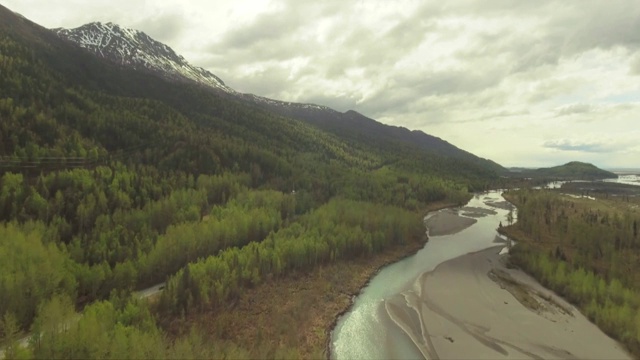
(134, 48)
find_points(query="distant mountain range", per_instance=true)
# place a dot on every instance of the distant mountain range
(135, 49)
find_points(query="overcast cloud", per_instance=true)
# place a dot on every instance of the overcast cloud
(524, 83)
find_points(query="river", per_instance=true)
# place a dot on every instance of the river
(410, 311)
(366, 331)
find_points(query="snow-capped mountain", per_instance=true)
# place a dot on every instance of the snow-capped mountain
(138, 50)
(134, 48)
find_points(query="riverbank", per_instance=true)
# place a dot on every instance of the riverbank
(366, 331)
(494, 312)
(597, 270)
(293, 316)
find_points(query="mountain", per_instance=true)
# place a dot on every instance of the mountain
(198, 125)
(135, 49)
(574, 170)
(358, 126)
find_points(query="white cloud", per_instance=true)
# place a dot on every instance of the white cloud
(634, 65)
(575, 109)
(520, 82)
(595, 146)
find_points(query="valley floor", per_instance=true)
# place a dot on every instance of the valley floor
(292, 317)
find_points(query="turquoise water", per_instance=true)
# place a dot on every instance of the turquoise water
(366, 331)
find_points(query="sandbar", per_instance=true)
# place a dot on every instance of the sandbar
(447, 222)
(474, 307)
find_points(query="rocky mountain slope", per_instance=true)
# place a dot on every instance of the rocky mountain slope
(136, 49)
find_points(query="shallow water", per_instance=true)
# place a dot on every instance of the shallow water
(366, 331)
(626, 179)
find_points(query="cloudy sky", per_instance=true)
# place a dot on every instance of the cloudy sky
(524, 83)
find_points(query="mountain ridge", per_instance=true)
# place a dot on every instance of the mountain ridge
(74, 69)
(135, 49)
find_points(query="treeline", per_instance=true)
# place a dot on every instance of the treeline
(124, 228)
(603, 236)
(403, 189)
(614, 307)
(40, 266)
(586, 251)
(248, 218)
(119, 328)
(341, 229)
(31, 272)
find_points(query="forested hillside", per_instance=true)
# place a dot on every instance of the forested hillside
(574, 170)
(133, 49)
(353, 125)
(113, 180)
(586, 250)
